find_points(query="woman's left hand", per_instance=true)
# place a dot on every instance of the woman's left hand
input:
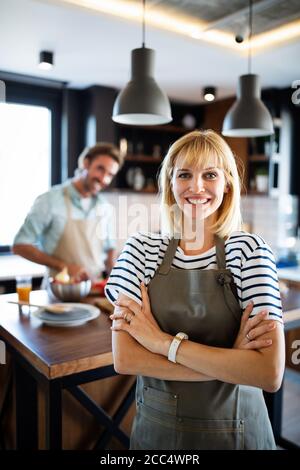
(139, 322)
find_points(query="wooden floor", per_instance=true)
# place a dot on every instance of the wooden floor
(291, 406)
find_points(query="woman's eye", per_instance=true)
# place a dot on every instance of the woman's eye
(210, 175)
(184, 175)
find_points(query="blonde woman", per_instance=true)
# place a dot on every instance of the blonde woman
(201, 362)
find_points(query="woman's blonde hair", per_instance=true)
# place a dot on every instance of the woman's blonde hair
(201, 149)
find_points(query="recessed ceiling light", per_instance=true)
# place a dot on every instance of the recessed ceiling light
(209, 93)
(46, 60)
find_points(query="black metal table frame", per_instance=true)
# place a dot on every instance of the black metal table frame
(27, 378)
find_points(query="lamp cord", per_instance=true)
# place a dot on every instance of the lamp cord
(250, 38)
(143, 30)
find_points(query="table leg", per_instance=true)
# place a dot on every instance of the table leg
(26, 409)
(274, 405)
(53, 415)
(274, 402)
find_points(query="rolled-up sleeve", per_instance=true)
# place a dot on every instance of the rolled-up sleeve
(36, 222)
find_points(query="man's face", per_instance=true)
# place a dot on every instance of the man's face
(99, 173)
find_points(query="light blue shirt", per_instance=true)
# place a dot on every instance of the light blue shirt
(45, 222)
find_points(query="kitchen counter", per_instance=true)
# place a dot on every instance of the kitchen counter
(289, 274)
(14, 265)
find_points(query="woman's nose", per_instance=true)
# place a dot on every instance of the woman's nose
(198, 184)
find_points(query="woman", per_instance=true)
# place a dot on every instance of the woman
(203, 388)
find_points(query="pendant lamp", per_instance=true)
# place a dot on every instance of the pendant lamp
(142, 102)
(248, 116)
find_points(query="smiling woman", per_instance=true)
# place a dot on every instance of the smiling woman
(200, 337)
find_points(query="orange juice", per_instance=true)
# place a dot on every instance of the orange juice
(23, 293)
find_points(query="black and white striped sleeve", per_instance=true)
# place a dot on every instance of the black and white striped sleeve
(128, 272)
(259, 282)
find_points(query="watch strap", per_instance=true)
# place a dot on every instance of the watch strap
(175, 345)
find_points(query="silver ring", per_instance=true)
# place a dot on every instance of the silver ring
(248, 337)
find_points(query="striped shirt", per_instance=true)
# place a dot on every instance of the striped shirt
(248, 257)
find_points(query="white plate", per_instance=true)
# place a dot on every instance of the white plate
(54, 319)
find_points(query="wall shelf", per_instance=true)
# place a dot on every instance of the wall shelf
(259, 158)
(169, 128)
(142, 158)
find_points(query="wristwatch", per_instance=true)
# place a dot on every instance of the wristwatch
(175, 345)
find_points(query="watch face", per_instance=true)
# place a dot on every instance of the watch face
(189, 121)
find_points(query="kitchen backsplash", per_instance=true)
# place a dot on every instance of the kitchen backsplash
(272, 218)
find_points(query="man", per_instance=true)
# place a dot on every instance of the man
(70, 225)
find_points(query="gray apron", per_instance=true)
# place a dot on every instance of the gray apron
(198, 415)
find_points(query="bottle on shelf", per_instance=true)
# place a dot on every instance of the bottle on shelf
(138, 179)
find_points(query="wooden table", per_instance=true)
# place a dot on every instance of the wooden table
(56, 359)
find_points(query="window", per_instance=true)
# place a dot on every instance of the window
(25, 163)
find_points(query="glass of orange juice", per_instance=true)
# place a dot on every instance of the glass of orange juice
(23, 287)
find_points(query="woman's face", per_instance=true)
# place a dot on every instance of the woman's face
(198, 192)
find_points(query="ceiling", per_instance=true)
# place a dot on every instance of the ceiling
(93, 47)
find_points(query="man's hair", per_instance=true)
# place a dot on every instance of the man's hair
(100, 148)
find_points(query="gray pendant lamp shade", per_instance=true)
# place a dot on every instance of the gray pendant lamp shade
(248, 116)
(142, 102)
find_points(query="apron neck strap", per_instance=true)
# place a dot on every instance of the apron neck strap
(171, 250)
(68, 202)
(220, 252)
(169, 255)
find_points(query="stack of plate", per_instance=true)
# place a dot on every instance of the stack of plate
(75, 314)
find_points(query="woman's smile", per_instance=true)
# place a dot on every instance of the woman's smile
(197, 200)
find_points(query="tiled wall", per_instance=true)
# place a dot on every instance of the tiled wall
(272, 218)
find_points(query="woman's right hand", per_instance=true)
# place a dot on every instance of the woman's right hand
(252, 329)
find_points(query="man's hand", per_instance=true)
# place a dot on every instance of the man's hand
(77, 272)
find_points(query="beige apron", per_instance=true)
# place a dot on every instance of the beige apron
(198, 415)
(81, 242)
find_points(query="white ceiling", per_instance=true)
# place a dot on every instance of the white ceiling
(92, 48)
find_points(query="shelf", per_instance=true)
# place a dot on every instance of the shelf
(253, 192)
(142, 158)
(130, 190)
(259, 158)
(164, 128)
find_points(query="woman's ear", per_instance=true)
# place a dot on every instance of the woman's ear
(227, 188)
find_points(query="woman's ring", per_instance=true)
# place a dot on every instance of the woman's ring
(127, 318)
(248, 337)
